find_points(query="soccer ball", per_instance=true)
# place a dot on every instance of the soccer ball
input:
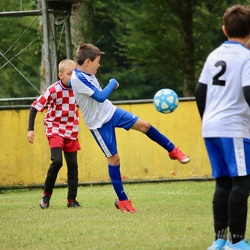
(166, 101)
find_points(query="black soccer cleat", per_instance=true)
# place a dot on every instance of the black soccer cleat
(44, 203)
(74, 204)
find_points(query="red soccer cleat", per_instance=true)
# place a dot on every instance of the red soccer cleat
(125, 206)
(176, 154)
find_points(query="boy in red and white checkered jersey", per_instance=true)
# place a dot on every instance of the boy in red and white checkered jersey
(61, 126)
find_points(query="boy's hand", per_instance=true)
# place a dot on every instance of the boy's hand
(31, 136)
(117, 84)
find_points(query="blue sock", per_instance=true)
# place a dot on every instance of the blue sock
(159, 138)
(115, 176)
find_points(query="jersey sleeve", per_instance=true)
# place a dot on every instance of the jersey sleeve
(246, 73)
(82, 85)
(200, 96)
(102, 95)
(204, 76)
(32, 117)
(42, 101)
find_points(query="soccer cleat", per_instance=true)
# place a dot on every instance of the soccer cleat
(44, 203)
(74, 204)
(176, 154)
(241, 245)
(217, 245)
(125, 206)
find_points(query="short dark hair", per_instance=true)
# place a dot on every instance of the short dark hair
(87, 51)
(236, 20)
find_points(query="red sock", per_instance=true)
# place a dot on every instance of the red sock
(44, 193)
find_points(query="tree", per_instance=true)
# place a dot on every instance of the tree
(149, 44)
(81, 23)
(158, 43)
(184, 10)
(149, 38)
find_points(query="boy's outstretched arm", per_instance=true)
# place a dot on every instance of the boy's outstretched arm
(101, 96)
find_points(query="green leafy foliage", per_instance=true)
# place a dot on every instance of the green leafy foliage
(148, 44)
(144, 48)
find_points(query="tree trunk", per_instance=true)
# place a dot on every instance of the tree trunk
(188, 67)
(184, 10)
(81, 23)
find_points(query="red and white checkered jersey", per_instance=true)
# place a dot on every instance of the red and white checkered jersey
(62, 116)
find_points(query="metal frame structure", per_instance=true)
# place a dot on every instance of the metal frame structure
(48, 10)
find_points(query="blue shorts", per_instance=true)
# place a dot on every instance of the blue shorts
(229, 156)
(105, 136)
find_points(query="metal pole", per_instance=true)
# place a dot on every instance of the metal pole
(68, 38)
(52, 42)
(20, 13)
(46, 43)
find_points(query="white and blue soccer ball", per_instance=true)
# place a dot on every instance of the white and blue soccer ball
(166, 101)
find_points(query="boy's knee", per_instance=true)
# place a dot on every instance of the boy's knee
(147, 126)
(114, 160)
(242, 184)
(56, 162)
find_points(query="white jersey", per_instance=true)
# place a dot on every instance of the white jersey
(226, 72)
(95, 113)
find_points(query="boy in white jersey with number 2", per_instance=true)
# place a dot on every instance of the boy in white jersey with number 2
(102, 117)
(223, 100)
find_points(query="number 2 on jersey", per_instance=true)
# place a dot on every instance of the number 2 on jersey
(216, 80)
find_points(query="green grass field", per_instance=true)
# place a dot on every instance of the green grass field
(170, 215)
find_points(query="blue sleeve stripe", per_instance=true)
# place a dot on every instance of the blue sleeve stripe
(83, 79)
